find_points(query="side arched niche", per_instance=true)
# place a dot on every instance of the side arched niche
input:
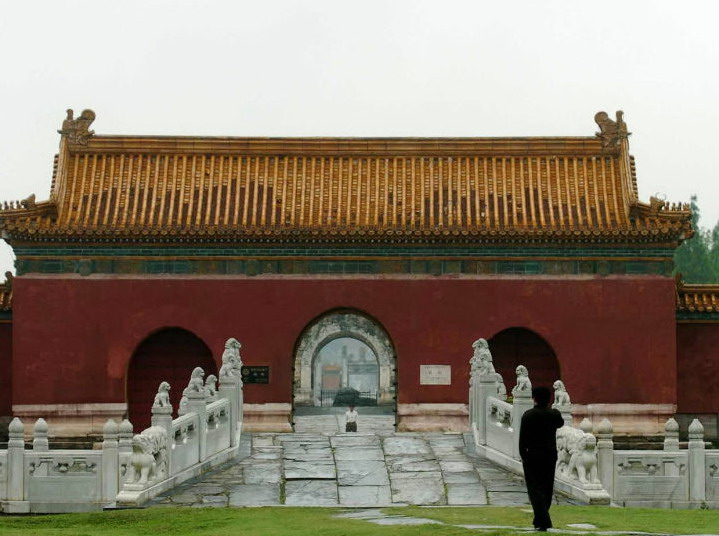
(337, 325)
(520, 346)
(168, 355)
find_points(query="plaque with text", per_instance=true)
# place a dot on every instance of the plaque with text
(435, 375)
(255, 374)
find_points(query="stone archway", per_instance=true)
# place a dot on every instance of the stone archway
(337, 325)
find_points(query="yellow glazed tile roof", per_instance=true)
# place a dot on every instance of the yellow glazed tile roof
(697, 298)
(491, 189)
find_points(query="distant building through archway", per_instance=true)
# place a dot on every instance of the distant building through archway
(344, 349)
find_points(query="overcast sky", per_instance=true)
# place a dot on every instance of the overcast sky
(333, 68)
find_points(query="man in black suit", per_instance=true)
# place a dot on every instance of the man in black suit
(538, 449)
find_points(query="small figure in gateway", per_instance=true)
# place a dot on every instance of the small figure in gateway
(538, 449)
(351, 419)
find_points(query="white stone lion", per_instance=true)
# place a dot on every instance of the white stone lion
(524, 385)
(577, 455)
(148, 461)
(561, 396)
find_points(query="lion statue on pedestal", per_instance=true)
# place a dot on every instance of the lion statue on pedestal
(148, 461)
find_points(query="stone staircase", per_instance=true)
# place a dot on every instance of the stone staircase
(318, 467)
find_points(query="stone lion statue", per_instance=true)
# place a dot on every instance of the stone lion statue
(211, 388)
(501, 389)
(148, 461)
(523, 386)
(561, 396)
(482, 357)
(231, 360)
(577, 455)
(196, 383)
(162, 398)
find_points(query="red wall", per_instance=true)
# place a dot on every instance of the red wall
(698, 364)
(614, 337)
(5, 368)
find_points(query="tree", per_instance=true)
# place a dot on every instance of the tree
(698, 258)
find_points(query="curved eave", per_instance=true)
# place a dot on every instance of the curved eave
(669, 234)
(698, 299)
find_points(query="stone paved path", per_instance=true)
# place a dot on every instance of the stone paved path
(319, 467)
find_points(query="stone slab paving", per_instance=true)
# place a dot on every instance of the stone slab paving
(311, 493)
(357, 469)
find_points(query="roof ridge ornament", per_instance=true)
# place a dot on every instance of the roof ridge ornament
(611, 132)
(77, 131)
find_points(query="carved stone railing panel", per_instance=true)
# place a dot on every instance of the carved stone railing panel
(651, 476)
(218, 426)
(3, 475)
(186, 447)
(712, 476)
(63, 476)
(499, 430)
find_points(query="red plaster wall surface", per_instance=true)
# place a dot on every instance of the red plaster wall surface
(5, 369)
(614, 337)
(698, 368)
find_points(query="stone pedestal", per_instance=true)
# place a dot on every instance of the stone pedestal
(521, 403)
(231, 388)
(197, 403)
(696, 469)
(605, 455)
(110, 462)
(16, 503)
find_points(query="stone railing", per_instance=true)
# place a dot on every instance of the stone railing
(588, 467)
(668, 478)
(129, 469)
(495, 425)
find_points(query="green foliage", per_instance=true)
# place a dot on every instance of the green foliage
(698, 258)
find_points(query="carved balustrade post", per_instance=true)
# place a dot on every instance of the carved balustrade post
(110, 477)
(197, 403)
(696, 469)
(16, 461)
(522, 402)
(605, 455)
(162, 416)
(39, 441)
(671, 435)
(485, 386)
(231, 388)
(124, 437)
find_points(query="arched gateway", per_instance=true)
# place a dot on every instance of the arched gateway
(167, 355)
(342, 325)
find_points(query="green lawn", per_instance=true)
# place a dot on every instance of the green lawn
(319, 521)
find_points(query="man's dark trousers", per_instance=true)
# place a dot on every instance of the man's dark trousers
(539, 475)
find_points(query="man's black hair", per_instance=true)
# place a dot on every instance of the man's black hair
(541, 396)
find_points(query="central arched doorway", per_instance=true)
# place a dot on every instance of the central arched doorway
(520, 346)
(344, 349)
(167, 355)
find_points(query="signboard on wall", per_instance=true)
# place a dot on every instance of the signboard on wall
(255, 374)
(435, 375)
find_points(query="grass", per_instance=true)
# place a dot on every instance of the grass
(603, 517)
(320, 521)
